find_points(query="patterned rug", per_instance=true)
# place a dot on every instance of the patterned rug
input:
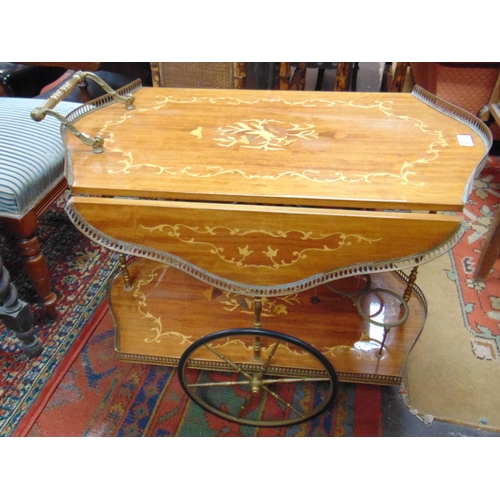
(79, 270)
(103, 396)
(480, 302)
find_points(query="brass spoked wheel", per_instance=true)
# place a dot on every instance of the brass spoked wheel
(258, 377)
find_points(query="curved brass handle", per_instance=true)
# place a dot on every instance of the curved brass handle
(39, 113)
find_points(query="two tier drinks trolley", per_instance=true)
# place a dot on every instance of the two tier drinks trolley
(269, 240)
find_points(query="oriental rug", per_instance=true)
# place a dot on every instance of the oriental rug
(79, 269)
(103, 396)
(480, 301)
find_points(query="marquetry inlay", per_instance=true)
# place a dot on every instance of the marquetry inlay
(267, 135)
(244, 249)
(225, 301)
(158, 331)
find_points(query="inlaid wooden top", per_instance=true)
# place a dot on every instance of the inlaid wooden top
(361, 150)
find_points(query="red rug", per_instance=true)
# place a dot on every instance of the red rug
(480, 302)
(95, 394)
(79, 270)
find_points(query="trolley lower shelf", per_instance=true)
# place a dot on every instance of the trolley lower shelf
(166, 310)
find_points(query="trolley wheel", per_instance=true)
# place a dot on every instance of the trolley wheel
(253, 377)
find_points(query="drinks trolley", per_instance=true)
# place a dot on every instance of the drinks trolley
(269, 240)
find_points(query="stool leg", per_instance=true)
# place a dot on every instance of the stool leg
(24, 231)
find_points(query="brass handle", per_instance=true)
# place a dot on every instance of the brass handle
(39, 113)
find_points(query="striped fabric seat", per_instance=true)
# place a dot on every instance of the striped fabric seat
(31, 155)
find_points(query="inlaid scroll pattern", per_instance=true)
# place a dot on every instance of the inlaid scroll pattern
(242, 305)
(277, 289)
(142, 307)
(249, 347)
(279, 255)
(406, 174)
(365, 348)
(270, 308)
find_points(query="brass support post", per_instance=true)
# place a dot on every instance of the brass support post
(124, 271)
(386, 331)
(411, 281)
(256, 343)
(257, 311)
(256, 348)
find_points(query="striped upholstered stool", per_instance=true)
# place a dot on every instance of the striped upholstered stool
(31, 179)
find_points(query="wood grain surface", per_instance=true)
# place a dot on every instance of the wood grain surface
(361, 150)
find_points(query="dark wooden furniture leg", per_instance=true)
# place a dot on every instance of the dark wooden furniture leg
(342, 77)
(319, 80)
(490, 251)
(27, 241)
(17, 315)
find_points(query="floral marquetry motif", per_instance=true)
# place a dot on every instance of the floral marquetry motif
(224, 302)
(269, 135)
(287, 247)
(269, 247)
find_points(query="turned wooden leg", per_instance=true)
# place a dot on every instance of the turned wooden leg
(17, 315)
(24, 231)
(490, 251)
(84, 91)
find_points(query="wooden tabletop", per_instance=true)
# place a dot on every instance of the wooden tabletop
(324, 149)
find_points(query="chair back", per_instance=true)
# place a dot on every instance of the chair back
(242, 75)
(203, 75)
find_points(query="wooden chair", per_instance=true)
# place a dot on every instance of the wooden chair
(394, 77)
(490, 251)
(492, 109)
(240, 75)
(31, 179)
(32, 164)
(221, 75)
(345, 76)
(467, 85)
(491, 248)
